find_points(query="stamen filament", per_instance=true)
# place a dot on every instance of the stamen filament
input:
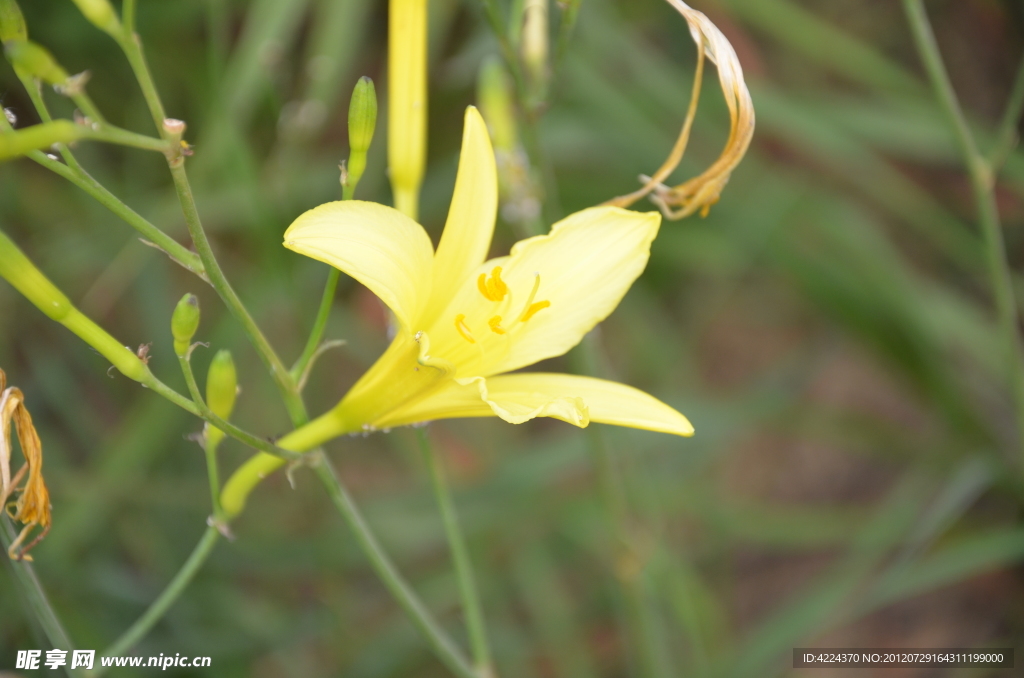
(463, 328)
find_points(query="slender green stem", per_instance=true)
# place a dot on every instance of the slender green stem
(446, 650)
(983, 188)
(319, 325)
(1007, 136)
(128, 16)
(35, 595)
(278, 372)
(132, 48)
(36, 137)
(210, 449)
(74, 173)
(164, 601)
(206, 413)
(88, 108)
(172, 248)
(460, 557)
(570, 12)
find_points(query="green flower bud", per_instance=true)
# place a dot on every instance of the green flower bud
(184, 323)
(221, 392)
(362, 115)
(100, 14)
(12, 23)
(362, 120)
(35, 60)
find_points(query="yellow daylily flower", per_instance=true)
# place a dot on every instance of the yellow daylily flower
(464, 323)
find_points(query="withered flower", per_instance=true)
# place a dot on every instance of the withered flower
(32, 508)
(703, 191)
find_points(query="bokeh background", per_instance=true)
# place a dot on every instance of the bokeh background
(855, 479)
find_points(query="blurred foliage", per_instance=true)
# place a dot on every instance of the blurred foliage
(855, 478)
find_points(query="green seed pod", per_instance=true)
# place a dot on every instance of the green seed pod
(184, 323)
(362, 120)
(100, 14)
(12, 23)
(35, 60)
(221, 392)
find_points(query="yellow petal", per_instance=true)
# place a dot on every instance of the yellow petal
(559, 287)
(517, 398)
(470, 226)
(378, 246)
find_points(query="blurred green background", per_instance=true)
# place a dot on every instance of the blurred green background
(855, 479)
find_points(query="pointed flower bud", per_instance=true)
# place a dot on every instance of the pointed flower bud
(35, 60)
(221, 392)
(407, 101)
(100, 14)
(362, 120)
(184, 323)
(362, 115)
(12, 23)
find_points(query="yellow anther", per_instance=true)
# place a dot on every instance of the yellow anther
(493, 288)
(533, 308)
(495, 324)
(463, 328)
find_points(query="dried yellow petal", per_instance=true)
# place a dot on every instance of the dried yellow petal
(32, 508)
(703, 191)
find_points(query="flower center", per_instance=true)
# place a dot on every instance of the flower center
(494, 289)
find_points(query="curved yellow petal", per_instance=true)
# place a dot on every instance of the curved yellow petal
(553, 290)
(517, 398)
(470, 226)
(378, 246)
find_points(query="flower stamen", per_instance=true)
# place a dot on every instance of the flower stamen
(495, 324)
(493, 288)
(463, 328)
(529, 312)
(531, 307)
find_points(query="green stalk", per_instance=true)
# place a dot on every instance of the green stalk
(278, 372)
(159, 607)
(983, 188)
(444, 648)
(37, 598)
(1006, 137)
(74, 173)
(128, 16)
(298, 372)
(172, 248)
(44, 135)
(460, 558)
(132, 47)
